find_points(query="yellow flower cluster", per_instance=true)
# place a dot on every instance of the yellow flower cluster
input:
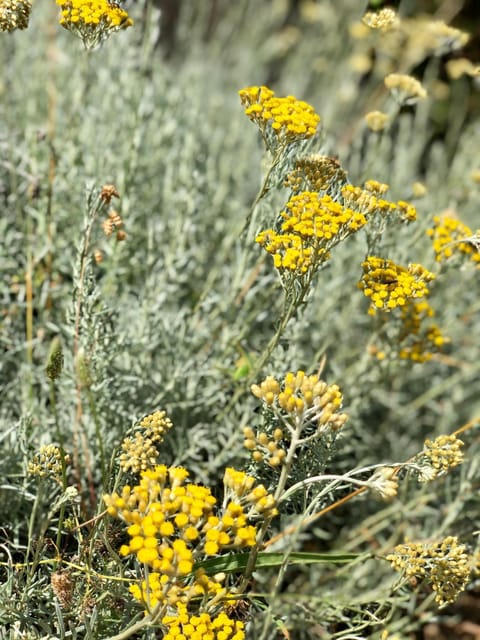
(290, 252)
(93, 20)
(445, 564)
(439, 456)
(384, 19)
(172, 524)
(367, 200)
(457, 67)
(451, 237)
(315, 172)
(304, 397)
(384, 483)
(184, 626)
(140, 451)
(290, 119)
(256, 499)
(48, 462)
(419, 343)
(376, 120)
(313, 224)
(405, 89)
(412, 40)
(14, 14)
(389, 285)
(445, 38)
(263, 447)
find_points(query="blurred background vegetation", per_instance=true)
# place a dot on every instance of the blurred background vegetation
(169, 313)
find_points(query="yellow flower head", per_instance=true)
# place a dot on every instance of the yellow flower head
(93, 20)
(376, 120)
(451, 238)
(418, 342)
(406, 89)
(316, 172)
(439, 456)
(312, 225)
(287, 118)
(389, 285)
(14, 14)
(385, 19)
(48, 462)
(444, 564)
(304, 396)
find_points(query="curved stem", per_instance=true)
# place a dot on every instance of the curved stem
(264, 187)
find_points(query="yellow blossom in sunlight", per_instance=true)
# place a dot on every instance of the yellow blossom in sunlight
(367, 201)
(265, 448)
(419, 190)
(93, 20)
(389, 285)
(316, 172)
(444, 564)
(384, 483)
(359, 30)
(376, 120)
(417, 341)
(451, 238)
(313, 224)
(439, 456)
(445, 38)
(287, 118)
(14, 14)
(360, 63)
(305, 397)
(458, 67)
(384, 19)
(172, 524)
(406, 89)
(48, 462)
(140, 451)
(203, 626)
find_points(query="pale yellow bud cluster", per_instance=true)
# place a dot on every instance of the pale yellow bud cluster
(445, 565)
(265, 448)
(48, 462)
(458, 67)
(384, 483)
(140, 450)
(419, 190)
(304, 397)
(14, 14)
(375, 187)
(156, 425)
(316, 172)
(406, 89)
(439, 456)
(384, 19)
(444, 38)
(139, 454)
(246, 490)
(376, 120)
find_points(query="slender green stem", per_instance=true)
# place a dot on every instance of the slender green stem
(93, 410)
(265, 187)
(53, 403)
